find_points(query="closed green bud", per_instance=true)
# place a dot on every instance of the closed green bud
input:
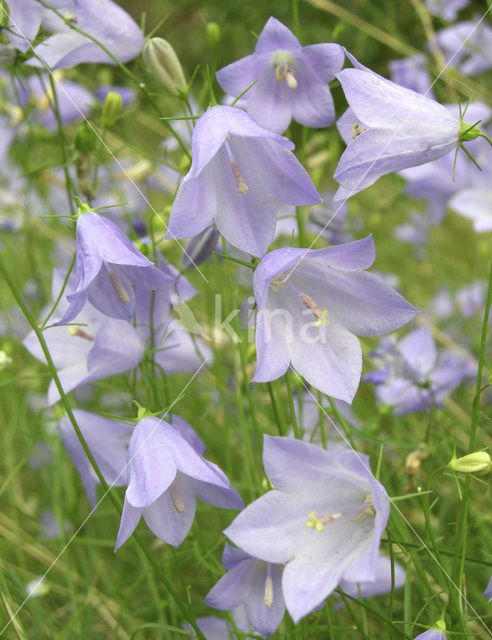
(162, 61)
(85, 138)
(184, 164)
(5, 360)
(478, 463)
(212, 31)
(111, 109)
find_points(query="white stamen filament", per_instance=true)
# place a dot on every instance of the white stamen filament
(118, 287)
(242, 187)
(268, 595)
(176, 498)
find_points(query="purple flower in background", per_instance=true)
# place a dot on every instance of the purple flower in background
(238, 172)
(446, 9)
(107, 266)
(474, 201)
(412, 73)
(315, 419)
(311, 306)
(329, 220)
(323, 521)
(74, 100)
(104, 20)
(165, 476)
(291, 81)
(467, 46)
(471, 298)
(488, 590)
(414, 377)
(253, 582)
(107, 441)
(97, 348)
(392, 128)
(170, 341)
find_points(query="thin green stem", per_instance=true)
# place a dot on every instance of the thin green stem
(185, 610)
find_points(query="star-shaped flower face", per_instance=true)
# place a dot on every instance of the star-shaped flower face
(290, 80)
(239, 171)
(311, 306)
(323, 521)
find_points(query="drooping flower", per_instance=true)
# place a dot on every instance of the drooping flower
(291, 81)
(392, 128)
(165, 476)
(254, 583)
(104, 20)
(107, 266)
(98, 347)
(238, 172)
(323, 521)
(311, 306)
(412, 376)
(107, 441)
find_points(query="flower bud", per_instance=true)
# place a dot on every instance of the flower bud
(478, 463)
(162, 61)
(85, 138)
(200, 247)
(111, 109)
(212, 32)
(5, 360)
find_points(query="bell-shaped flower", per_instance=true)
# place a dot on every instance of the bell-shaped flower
(414, 376)
(104, 20)
(467, 46)
(291, 81)
(446, 9)
(238, 172)
(311, 306)
(107, 267)
(393, 128)
(107, 441)
(97, 347)
(165, 476)
(253, 582)
(323, 521)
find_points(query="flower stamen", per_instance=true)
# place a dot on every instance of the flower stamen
(357, 130)
(242, 187)
(78, 331)
(118, 287)
(279, 281)
(176, 498)
(318, 523)
(268, 593)
(320, 315)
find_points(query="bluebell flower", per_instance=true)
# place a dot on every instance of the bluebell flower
(323, 521)
(238, 172)
(165, 476)
(291, 81)
(107, 266)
